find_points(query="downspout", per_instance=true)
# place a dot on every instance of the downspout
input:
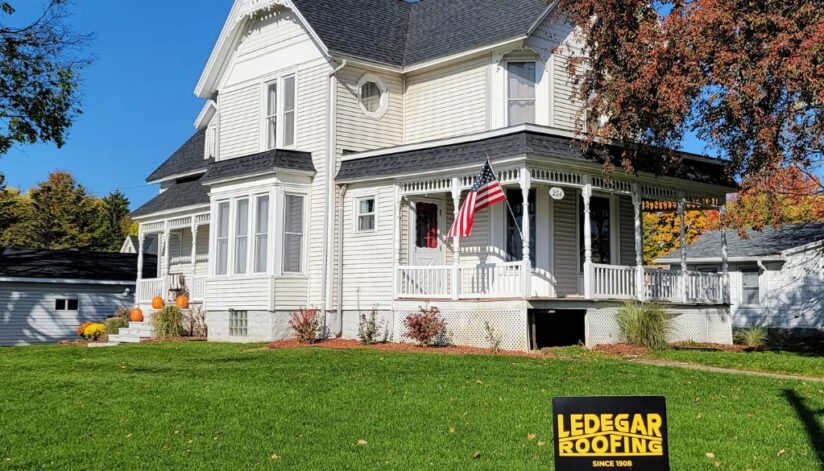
(760, 264)
(340, 261)
(328, 213)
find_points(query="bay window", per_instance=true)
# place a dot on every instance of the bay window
(293, 234)
(241, 235)
(222, 238)
(262, 234)
(520, 92)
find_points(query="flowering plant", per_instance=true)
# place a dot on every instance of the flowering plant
(306, 324)
(425, 326)
(81, 329)
(94, 331)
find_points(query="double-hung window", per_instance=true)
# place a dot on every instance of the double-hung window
(279, 112)
(241, 235)
(366, 214)
(66, 304)
(520, 92)
(750, 295)
(222, 238)
(293, 234)
(261, 234)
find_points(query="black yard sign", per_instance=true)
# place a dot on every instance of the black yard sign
(627, 433)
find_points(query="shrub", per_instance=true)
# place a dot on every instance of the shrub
(196, 322)
(755, 337)
(94, 331)
(167, 323)
(306, 324)
(492, 337)
(123, 313)
(644, 325)
(81, 329)
(368, 328)
(425, 326)
(114, 324)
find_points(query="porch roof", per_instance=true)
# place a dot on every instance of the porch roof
(521, 140)
(185, 160)
(178, 195)
(269, 161)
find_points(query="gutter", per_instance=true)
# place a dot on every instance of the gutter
(328, 211)
(65, 281)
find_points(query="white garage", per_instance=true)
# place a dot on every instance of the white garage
(45, 295)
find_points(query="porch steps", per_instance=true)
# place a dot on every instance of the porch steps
(134, 333)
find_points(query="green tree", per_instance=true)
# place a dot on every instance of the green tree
(63, 215)
(115, 222)
(40, 66)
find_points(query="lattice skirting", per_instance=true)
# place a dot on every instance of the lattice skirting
(466, 327)
(698, 324)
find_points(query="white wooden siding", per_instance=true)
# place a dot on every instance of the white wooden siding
(236, 292)
(355, 130)
(27, 312)
(446, 102)
(566, 243)
(239, 121)
(626, 225)
(290, 293)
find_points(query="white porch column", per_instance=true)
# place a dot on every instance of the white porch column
(683, 239)
(725, 255)
(640, 284)
(166, 259)
(194, 248)
(396, 257)
(456, 241)
(526, 260)
(588, 268)
(140, 238)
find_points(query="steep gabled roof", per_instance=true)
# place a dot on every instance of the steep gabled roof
(398, 33)
(188, 159)
(769, 241)
(72, 265)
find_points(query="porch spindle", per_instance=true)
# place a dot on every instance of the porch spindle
(683, 239)
(588, 267)
(526, 262)
(640, 284)
(456, 241)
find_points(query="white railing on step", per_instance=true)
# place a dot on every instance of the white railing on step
(500, 280)
(148, 288)
(197, 289)
(614, 281)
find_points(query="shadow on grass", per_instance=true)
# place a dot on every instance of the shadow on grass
(809, 418)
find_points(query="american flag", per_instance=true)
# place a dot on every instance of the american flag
(485, 192)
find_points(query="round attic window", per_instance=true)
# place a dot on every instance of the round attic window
(372, 96)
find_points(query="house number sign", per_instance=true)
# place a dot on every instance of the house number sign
(556, 193)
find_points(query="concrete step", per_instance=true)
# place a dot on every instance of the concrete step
(124, 338)
(102, 344)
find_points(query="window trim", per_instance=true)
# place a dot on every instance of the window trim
(254, 234)
(384, 101)
(535, 86)
(278, 79)
(217, 238)
(357, 211)
(757, 273)
(303, 238)
(236, 236)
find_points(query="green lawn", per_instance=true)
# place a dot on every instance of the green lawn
(218, 406)
(776, 362)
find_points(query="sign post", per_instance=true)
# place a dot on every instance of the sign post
(628, 433)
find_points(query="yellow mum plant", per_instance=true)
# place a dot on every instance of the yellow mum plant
(94, 331)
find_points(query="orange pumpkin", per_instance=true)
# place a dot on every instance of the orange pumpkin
(157, 302)
(136, 315)
(182, 301)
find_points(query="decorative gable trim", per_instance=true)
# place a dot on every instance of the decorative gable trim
(242, 13)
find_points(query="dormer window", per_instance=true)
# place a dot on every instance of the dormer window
(520, 92)
(373, 96)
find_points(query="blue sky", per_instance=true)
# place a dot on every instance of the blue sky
(139, 104)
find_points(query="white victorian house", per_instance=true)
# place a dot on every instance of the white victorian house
(337, 142)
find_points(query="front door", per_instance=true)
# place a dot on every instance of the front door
(426, 233)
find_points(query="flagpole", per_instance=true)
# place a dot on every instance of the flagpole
(506, 200)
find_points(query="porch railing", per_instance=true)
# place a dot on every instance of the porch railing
(431, 281)
(148, 288)
(662, 285)
(614, 281)
(197, 288)
(707, 287)
(502, 280)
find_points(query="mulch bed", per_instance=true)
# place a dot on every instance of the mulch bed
(343, 344)
(622, 350)
(709, 347)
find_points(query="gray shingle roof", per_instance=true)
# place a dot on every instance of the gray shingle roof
(769, 241)
(73, 265)
(178, 195)
(519, 142)
(400, 33)
(187, 159)
(268, 161)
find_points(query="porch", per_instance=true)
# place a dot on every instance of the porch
(183, 259)
(585, 240)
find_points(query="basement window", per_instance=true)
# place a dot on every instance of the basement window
(238, 323)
